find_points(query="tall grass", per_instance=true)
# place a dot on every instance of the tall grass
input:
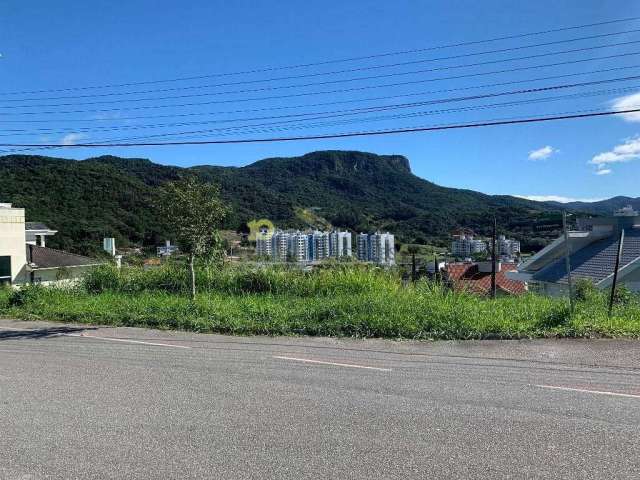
(241, 279)
(354, 301)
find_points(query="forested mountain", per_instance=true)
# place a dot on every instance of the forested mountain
(110, 196)
(604, 207)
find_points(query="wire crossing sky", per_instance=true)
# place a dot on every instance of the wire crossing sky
(256, 79)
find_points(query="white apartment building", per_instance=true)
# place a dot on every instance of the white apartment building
(298, 246)
(339, 244)
(319, 246)
(507, 248)
(264, 244)
(363, 247)
(280, 246)
(377, 248)
(465, 245)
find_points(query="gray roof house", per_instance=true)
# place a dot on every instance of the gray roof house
(50, 266)
(593, 249)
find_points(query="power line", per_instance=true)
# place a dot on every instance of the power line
(343, 122)
(347, 90)
(338, 113)
(337, 102)
(332, 135)
(334, 61)
(326, 82)
(262, 130)
(275, 126)
(335, 72)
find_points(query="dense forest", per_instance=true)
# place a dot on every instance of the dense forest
(110, 196)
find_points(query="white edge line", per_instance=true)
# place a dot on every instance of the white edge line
(125, 340)
(583, 390)
(306, 360)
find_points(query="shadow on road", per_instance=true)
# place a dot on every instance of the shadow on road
(38, 333)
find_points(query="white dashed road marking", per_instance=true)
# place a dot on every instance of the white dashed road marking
(583, 390)
(306, 360)
(125, 340)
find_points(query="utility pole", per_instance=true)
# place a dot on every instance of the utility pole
(493, 257)
(567, 259)
(615, 272)
(414, 275)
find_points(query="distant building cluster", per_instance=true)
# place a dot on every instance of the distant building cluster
(508, 249)
(465, 245)
(297, 246)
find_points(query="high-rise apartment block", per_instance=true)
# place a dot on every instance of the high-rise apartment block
(377, 248)
(339, 244)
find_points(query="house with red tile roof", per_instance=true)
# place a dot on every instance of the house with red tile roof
(475, 277)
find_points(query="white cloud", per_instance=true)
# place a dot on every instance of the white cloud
(603, 171)
(557, 198)
(624, 152)
(72, 138)
(542, 153)
(628, 102)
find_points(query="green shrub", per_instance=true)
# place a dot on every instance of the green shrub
(585, 291)
(24, 295)
(624, 296)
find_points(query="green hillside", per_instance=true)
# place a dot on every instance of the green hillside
(110, 196)
(605, 207)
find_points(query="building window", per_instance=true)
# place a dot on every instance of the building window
(5, 269)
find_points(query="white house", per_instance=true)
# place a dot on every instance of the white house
(24, 258)
(13, 257)
(36, 233)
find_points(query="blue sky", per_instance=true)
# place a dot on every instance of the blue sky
(70, 44)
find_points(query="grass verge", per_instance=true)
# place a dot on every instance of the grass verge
(342, 301)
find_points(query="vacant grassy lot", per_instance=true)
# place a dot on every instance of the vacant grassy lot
(340, 301)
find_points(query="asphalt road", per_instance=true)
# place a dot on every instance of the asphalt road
(84, 403)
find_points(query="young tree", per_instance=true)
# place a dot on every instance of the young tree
(194, 212)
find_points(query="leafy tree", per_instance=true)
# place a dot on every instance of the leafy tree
(194, 212)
